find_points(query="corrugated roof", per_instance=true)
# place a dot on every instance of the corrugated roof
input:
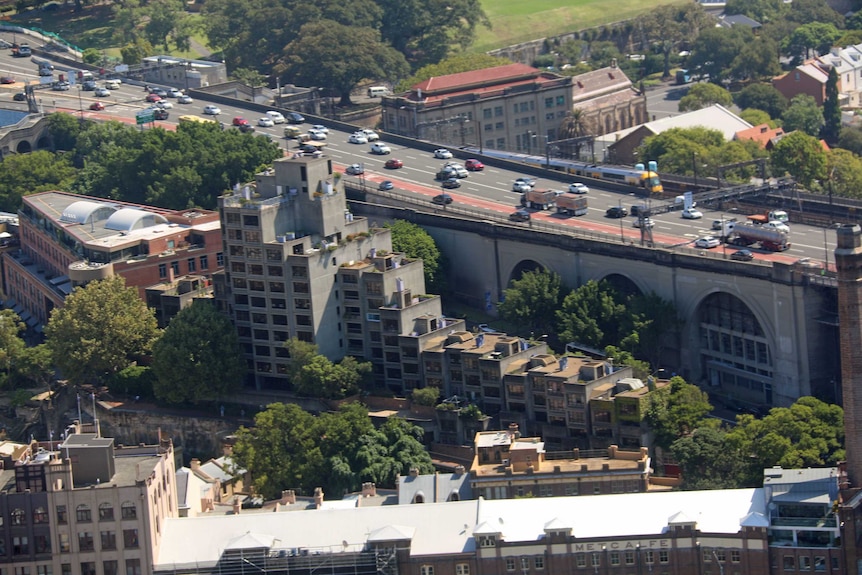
(496, 75)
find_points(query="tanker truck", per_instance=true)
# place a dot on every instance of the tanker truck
(747, 234)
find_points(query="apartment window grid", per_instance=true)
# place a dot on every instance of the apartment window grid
(85, 541)
(83, 514)
(462, 569)
(106, 512)
(510, 563)
(426, 570)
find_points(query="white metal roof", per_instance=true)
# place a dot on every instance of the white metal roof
(84, 211)
(128, 219)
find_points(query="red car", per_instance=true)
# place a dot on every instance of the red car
(240, 121)
(474, 165)
(153, 98)
(97, 106)
(7, 80)
(393, 164)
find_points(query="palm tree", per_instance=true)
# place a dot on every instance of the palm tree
(574, 125)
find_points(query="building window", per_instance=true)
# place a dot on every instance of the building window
(66, 569)
(163, 271)
(663, 556)
(539, 562)
(804, 563)
(106, 512)
(498, 111)
(205, 264)
(462, 569)
(734, 556)
(615, 558)
(20, 546)
(820, 563)
(525, 563)
(109, 540)
(426, 570)
(649, 558)
(40, 515)
(110, 567)
(220, 259)
(83, 514)
(85, 541)
(549, 102)
(486, 113)
(130, 538)
(128, 510)
(88, 568)
(22, 570)
(510, 563)
(43, 570)
(175, 267)
(62, 516)
(65, 546)
(42, 543)
(630, 557)
(789, 563)
(19, 517)
(191, 263)
(561, 100)
(487, 542)
(581, 560)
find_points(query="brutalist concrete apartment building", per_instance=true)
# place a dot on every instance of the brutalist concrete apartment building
(299, 265)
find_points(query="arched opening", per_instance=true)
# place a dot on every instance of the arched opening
(735, 356)
(43, 143)
(24, 147)
(623, 285)
(523, 267)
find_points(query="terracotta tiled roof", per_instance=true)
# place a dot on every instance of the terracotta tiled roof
(475, 78)
(761, 134)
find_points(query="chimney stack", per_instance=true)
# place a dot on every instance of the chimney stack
(236, 506)
(318, 497)
(288, 496)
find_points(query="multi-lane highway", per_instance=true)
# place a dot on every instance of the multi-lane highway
(490, 189)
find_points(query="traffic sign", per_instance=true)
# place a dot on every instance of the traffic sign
(144, 117)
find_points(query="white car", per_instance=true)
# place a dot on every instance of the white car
(112, 84)
(185, 99)
(777, 225)
(691, 214)
(164, 105)
(265, 122)
(443, 154)
(707, 242)
(522, 187)
(370, 135)
(276, 117)
(358, 138)
(174, 93)
(212, 110)
(355, 169)
(645, 223)
(381, 149)
(320, 128)
(317, 134)
(457, 170)
(102, 92)
(578, 188)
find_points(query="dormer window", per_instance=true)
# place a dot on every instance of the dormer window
(487, 541)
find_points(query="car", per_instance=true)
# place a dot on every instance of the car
(643, 222)
(7, 80)
(474, 165)
(153, 98)
(355, 169)
(292, 117)
(519, 216)
(60, 86)
(380, 149)
(358, 138)
(528, 181)
(707, 242)
(451, 183)
(616, 212)
(20, 97)
(393, 164)
(719, 224)
(317, 134)
(777, 225)
(742, 255)
(185, 99)
(164, 105)
(212, 110)
(276, 117)
(160, 92)
(445, 174)
(102, 93)
(320, 128)
(88, 85)
(578, 188)
(521, 187)
(239, 121)
(457, 170)
(370, 135)
(46, 72)
(174, 93)
(160, 114)
(691, 214)
(385, 185)
(442, 199)
(265, 122)
(443, 154)
(310, 150)
(112, 84)
(97, 106)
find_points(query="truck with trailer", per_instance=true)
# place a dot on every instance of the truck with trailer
(539, 199)
(748, 234)
(571, 204)
(772, 216)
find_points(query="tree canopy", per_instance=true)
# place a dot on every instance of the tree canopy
(24, 174)
(314, 375)
(102, 328)
(803, 114)
(762, 97)
(290, 448)
(676, 412)
(198, 356)
(800, 155)
(415, 242)
(532, 301)
(703, 95)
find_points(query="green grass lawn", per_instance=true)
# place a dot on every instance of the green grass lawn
(516, 21)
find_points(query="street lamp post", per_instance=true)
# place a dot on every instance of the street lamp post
(547, 154)
(622, 235)
(825, 251)
(80, 104)
(694, 167)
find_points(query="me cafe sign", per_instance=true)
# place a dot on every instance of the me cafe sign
(622, 545)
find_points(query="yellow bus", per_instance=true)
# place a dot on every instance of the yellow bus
(195, 120)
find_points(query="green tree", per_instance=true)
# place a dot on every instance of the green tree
(760, 10)
(655, 326)
(532, 301)
(801, 156)
(805, 11)
(454, 64)
(427, 396)
(681, 150)
(64, 129)
(590, 315)
(831, 110)
(762, 97)
(326, 53)
(676, 412)
(672, 25)
(817, 37)
(703, 95)
(91, 56)
(167, 20)
(101, 328)
(134, 52)
(756, 117)
(810, 433)
(35, 366)
(24, 174)
(705, 460)
(313, 375)
(415, 242)
(128, 16)
(715, 50)
(12, 347)
(803, 114)
(851, 139)
(756, 60)
(844, 169)
(198, 357)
